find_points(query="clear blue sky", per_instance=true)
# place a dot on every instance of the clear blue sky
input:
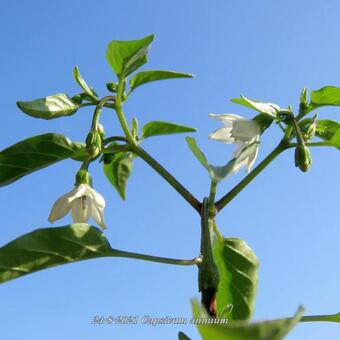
(267, 50)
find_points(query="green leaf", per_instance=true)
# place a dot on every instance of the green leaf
(238, 267)
(58, 105)
(35, 153)
(49, 247)
(82, 83)
(149, 76)
(126, 56)
(198, 153)
(182, 336)
(242, 330)
(329, 131)
(326, 96)
(158, 128)
(326, 129)
(118, 171)
(268, 109)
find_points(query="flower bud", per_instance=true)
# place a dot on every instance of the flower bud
(303, 158)
(77, 99)
(303, 99)
(83, 177)
(94, 143)
(112, 87)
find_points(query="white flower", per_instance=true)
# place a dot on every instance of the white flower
(241, 131)
(84, 201)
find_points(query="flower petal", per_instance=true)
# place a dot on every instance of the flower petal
(96, 197)
(97, 214)
(80, 210)
(245, 130)
(77, 192)
(252, 158)
(226, 118)
(223, 135)
(60, 208)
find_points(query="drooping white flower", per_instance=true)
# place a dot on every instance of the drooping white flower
(84, 202)
(241, 131)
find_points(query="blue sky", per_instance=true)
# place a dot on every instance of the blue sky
(267, 50)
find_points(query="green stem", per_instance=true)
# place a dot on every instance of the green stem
(212, 209)
(98, 110)
(293, 145)
(323, 318)
(166, 260)
(114, 139)
(120, 113)
(283, 145)
(138, 150)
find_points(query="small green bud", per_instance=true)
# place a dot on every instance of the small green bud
(308, 128)
(83, 177)
(112, 87)
(303, 158)
(94, 143)
(100, 129)
(303, 99)
(77, 99)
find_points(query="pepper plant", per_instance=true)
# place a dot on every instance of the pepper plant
(227, 267)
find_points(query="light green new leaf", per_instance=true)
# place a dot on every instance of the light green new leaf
(35, 153)
(268, 109)
(242, 330)
(238, 268)
(127, 56)
(58, 105)
(49, 247)
(158, 128)
(326, 129)
(183, 336)
(82, 83)
(118, 170)
(329, 131)
(326, 96)
(149, 76)
(198, 153)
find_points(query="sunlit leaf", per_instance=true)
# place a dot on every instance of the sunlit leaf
(127, 56)
(223, 329)
(268, 109)
(158, 128)
(117, 169)
(149, 76)
(35, 153)
(237, 265)
(58, 105)
(49, 247)
(82, 83)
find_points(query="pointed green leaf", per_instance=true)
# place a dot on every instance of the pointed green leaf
(118, 171)
(127, 56)
(49, 247)
(149, 76)
(238, 268)
(35, 153)
(197, 152)
(326, 96)
(158, 128)
(222, 329)
(58, 105)
(329, 131)
(269, 109)
(82, 83)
